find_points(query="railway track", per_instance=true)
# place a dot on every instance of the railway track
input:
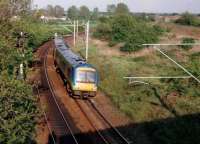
(62, 131)
(116, 133)
(102, 137)
(109, 134)
(60, 125)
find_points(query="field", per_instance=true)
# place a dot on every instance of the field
(160, 99)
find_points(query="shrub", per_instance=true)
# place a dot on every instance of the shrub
(121, 26)
(125, 28)
(112, 43)
(188, 19)
(187, 41)
(103, 31)
(140, 35)
(17, 111)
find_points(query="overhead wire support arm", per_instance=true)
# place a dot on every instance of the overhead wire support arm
(175, 44)
(160, 77)
(180, 66)
(184, 69)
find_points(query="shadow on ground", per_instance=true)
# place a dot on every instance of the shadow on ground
(178, 130)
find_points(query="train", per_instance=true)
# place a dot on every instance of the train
(80, 78)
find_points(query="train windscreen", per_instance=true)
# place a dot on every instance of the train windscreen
(86, 77)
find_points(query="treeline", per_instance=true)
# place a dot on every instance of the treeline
(83, 12)
(53, 11)
(124, 28)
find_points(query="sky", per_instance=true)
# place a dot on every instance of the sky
(155, 6)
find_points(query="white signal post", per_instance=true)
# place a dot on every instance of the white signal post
(87, 39)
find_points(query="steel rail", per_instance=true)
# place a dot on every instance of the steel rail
(123, 139)
(54, 97)
(92, 124)
(45, 116)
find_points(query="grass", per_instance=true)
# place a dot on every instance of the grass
(161, 99)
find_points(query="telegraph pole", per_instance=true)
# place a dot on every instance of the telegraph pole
(87, 39)
(77, 29)
(74, 33)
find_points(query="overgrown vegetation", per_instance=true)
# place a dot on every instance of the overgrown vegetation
(168, 107)
(129, 30)
(18, 109)
(158, 102)
(188, 19)
(188, 42)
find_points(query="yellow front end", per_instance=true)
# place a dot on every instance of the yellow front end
(86, 80)
(88, 87)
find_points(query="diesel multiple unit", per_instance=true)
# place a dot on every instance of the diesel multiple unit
(81, 78)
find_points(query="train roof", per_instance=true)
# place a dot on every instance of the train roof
(68, 54)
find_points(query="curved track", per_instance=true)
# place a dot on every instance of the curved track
(109, 134)
(61, 124)
(115, 132)
(55, 100)
(103, 130)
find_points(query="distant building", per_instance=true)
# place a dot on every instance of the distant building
(49, 18)
(166, 18)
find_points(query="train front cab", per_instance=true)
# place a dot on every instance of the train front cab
(85, 81)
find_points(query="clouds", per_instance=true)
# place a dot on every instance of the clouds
(135, 5)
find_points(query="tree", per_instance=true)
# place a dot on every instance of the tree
(73, 13)
(188, 19)
(5, 12)
(9, 8)
(50, 10)
(95, 14)
(20, 6)
(121, 26)
(39, 13)
(111, 8)
(84, 13)
(59, 11)
(122, 9)
(17, 112)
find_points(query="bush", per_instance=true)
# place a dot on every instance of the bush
(187, 41)
(140, 35)
(188, 19)
(103, 31)
(17, 111)
(121, 26)
(126, 28)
